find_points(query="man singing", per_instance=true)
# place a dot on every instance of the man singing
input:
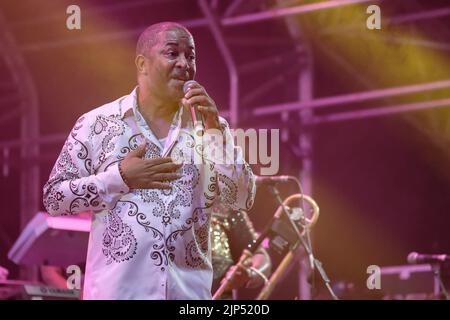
(129, 161)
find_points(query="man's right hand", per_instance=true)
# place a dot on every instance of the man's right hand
(148, 173)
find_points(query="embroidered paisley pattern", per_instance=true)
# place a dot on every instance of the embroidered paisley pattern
(171, 227)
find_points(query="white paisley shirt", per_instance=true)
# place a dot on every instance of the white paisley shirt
(144, 243)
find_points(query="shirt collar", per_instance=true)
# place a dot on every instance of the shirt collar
(129, 104)
(128, 107)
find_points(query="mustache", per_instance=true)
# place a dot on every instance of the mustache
(181, 76)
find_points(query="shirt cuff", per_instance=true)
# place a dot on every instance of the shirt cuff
(114, 186)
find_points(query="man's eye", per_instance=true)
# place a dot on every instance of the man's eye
(192, 58)
(172, 53)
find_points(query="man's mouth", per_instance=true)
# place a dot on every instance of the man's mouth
(181, 78)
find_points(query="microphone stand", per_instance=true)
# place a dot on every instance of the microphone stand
(437, 274)
(314, 262)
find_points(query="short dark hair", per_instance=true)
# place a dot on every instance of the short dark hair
(149, 37)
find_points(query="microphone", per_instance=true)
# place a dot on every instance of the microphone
(261, 180)
(416, 258)
(196, 116)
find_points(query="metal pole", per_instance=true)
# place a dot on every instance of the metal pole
(193, 23)
(284, 12)
(350, 98)
(226, 53)
(382, 111)
(305, 94)
(29, 175)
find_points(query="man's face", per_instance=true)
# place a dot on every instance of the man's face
(170, 63)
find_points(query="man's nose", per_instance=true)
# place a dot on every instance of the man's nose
(182, 62)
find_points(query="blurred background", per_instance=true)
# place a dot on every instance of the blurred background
(364, 114)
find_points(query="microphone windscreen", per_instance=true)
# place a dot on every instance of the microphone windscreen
(188, 84)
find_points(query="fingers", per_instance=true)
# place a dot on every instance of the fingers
(166, 176)
(197, 100)
(204, 109)
(159, 185)
(164, 167)
(239, 278)
(195, 92)
(139, 152)
(158, 161)
(247, 263)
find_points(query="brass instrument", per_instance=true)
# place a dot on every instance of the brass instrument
(305, 222)
(308, 223)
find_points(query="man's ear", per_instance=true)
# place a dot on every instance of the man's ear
(140, 64)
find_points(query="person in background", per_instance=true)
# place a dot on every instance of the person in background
(231, 232)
